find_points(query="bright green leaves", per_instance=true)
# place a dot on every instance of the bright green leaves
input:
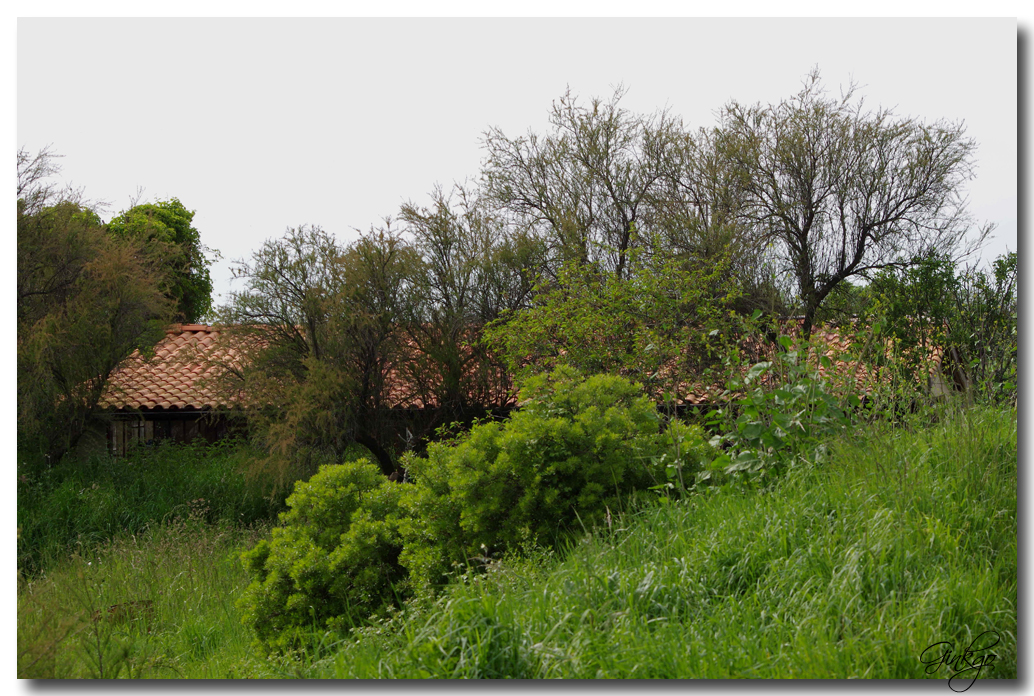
(756, 371)
(781, 419)
(352, 543)
(166, 231)
(333, 561)
(658, 326)
(575, 449)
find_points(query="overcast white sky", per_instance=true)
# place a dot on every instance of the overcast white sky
(261, 124)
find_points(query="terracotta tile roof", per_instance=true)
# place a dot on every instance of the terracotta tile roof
(179, 376)
(184, 374)
(187, 363)
(845, 373)
(839, 345)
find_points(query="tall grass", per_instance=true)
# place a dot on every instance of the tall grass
(155, 605)
(131, 567)
(81, 502)
(849, 569)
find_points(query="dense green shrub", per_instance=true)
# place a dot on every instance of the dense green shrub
(353, 543)
(970, 314)
(333, 561)
(568, 459)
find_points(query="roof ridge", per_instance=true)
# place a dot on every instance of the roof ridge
(180, 328)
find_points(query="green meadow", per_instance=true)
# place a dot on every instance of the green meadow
(890, 539)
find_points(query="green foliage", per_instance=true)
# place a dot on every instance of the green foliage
(843, 303)
(85, 501)
(568, 459)
(165, 230)
(783, 415)
(85, 302)
(663, 325)
(353, 543)
(332, 562)
(969, 315)
(915, 305)
(686, 455)
(987, 330)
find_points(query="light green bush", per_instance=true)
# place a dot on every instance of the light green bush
(568, 459)
(334, 560)
(353, 543)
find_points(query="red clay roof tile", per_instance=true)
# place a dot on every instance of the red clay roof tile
(187, 358)
(172, 377)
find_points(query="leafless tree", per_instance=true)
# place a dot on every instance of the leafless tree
(588, 186)
(837, 191)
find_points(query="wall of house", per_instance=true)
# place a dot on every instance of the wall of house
(128, 431)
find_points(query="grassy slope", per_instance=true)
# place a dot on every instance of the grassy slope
(850, 569)
(177, 584)
(161, 529)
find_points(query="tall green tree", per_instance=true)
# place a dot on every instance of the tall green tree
(85, 301)
(166, 229)
(322, 323)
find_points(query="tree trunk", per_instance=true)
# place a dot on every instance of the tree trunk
(809, 319)
(384, 460)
